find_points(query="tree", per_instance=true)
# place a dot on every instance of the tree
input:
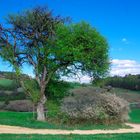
(52, 47)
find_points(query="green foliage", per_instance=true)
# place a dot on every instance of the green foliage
(32, 90)
(6, 101)
(56, 89)
(53, 108)
(99, 82)
(131, 82)
(51, 47)
(83, 48)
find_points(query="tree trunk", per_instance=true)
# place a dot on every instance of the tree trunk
(40, 109)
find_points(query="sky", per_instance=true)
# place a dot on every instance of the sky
(117, 20)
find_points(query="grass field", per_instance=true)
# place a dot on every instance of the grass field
(7, 84)
(135, 136)
(129, 95)
(26, 120)
(135, 116)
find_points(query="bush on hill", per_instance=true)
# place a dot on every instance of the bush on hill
(95, 105)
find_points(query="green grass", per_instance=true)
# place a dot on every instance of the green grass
(135, 116)
(134, 136)
(26, 120)
(7, 84)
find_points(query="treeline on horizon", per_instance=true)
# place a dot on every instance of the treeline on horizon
(131, 82)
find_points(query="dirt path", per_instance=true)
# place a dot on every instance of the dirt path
(23, 130)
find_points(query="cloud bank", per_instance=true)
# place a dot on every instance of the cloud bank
(123, 67)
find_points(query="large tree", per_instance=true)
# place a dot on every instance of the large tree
(52, 46)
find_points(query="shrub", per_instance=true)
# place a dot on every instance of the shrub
(2, 105)
(6, 101)
(20, 105)
(57, 89)
(96, 106)
(52, 108)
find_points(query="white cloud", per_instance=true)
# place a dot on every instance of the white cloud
(124, 40)
(123, 67)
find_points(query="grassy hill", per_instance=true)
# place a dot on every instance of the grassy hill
(129, 95)
(9, 90)
(7, 84)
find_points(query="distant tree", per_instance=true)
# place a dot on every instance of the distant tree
(52, 47)
(129, 81)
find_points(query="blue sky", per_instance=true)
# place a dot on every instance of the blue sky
(117, 20)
